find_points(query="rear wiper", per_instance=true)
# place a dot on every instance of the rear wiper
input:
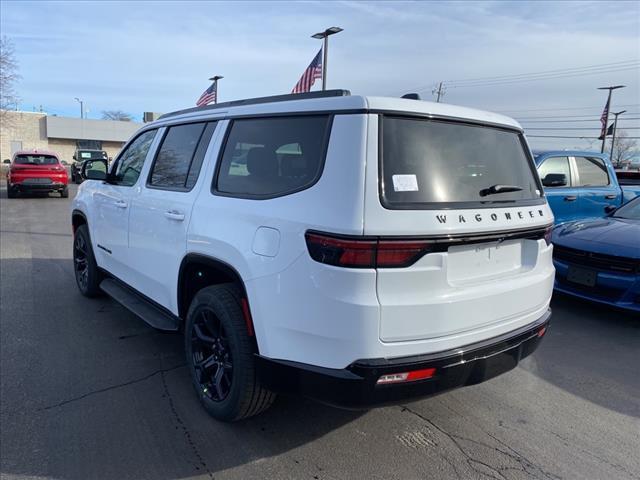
(493, 189)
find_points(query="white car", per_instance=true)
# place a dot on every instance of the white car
(357, 250)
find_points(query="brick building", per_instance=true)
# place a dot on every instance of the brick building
(27, 130)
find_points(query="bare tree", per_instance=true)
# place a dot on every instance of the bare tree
(8, 78)
(623, 150)
(117, 115)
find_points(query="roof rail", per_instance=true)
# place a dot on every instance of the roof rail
(255, 101)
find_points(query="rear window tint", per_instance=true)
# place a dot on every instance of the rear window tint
(174, 157)
(268, 157)
(431, 164)
(592, 172)
(35, 160)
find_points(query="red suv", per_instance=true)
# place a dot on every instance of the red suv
(36, 171)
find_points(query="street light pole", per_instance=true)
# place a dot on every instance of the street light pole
(615, 127)
(606, 117)
(325, 48)
(81, 107)
(215, 79)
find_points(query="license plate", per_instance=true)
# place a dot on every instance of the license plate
(37, 180)
(582, 276)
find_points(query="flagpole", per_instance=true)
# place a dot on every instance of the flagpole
(615, 127)
(606, 117)
(324, 62)
(325, 47)
(215, 79)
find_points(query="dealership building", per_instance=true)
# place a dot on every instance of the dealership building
(62, 135)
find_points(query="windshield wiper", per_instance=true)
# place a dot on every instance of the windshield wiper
(494, 189)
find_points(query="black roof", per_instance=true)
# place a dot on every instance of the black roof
(255, 101)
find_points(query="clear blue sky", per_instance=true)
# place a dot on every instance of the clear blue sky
(147, 56)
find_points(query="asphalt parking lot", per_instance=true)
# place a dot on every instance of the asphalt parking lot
(88, 391)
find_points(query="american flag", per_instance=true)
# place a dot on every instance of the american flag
(603, 120)
(208, 96)
(313, 71)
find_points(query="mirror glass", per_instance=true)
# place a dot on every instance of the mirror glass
(6, 160)
(95, 169)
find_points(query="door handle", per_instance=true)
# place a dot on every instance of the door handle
(570, 198)
(611, 196)
(174, 215)
(120, 204)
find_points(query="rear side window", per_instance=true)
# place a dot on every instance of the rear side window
(434, 164)
(591, 172)
(180, 156)
(555, 165)
(269, 157)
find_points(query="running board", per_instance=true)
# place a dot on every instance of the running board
(139, 305)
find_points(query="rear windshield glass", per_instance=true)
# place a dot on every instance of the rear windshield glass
(427, 162)
(35, 160)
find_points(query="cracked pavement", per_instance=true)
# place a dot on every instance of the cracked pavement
(88, 391)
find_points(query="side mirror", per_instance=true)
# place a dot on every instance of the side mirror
(94, 170)
(64, 162)
(74, 156)
(6, 160)
(554, 180)
(609, 209)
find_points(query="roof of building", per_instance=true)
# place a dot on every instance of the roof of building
(335, 101)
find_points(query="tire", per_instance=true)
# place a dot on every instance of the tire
(88, 276)
(64, 193)
(11, 192)
(216, 340)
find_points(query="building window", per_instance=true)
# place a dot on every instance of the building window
(89, 144)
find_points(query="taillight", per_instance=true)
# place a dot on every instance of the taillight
(547, 234)
(365, 252)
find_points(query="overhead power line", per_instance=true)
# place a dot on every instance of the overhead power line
(592, 116)
(575, 128)
(563, 136)
(566, 108)
(596, 69)
(572, 121)
(546, 72)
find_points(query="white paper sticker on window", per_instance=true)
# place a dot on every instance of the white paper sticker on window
(405, 183)
(85, 154)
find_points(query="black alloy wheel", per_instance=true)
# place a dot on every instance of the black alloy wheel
(86, 270)
(220, 354)
(211, 356)
(80, 261)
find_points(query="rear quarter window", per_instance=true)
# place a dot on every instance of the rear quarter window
(443, 164)
(271, 157)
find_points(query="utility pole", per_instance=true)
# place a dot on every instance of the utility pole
(215, 79)
(438, 91)
(324, 36)
(606, 112)
(81, 107)
(615, 127)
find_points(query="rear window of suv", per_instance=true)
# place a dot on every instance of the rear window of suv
(271, 157)
(434, 164)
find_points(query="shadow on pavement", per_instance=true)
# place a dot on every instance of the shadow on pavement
(86, 387)
(593, 352)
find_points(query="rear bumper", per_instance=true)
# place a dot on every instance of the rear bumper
(355, 386)
(37, 187)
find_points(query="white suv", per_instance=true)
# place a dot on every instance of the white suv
(357, 250)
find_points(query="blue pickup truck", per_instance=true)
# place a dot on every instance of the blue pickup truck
(580, 184)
